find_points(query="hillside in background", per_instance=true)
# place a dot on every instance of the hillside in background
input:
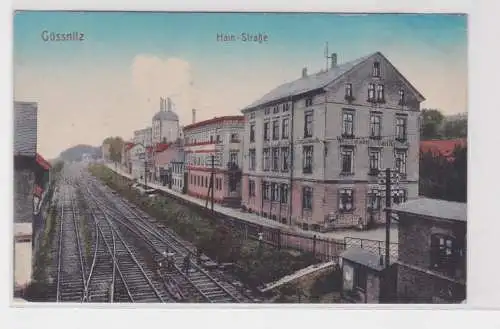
(75, 153)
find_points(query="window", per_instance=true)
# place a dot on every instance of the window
(401, 97)
(348, 90)
(251, 155)
(347, 160)
(235, 138)
(399, 196)
(274, 192)
(376, 69)
(346, 200)
(371, 92)
(286, 107)
(284, 129)
(252, 133)
(276, 109)
(360, 278)
(252, 115)
(375, 126)
(266, 130)
(309, 101)
(284, 158)
(276, 130)
(307, 196)
(373, 200)
(251, 188)
(265, 190)
(374, 161)
(276, 159)
(308, 124)
(347, 124)
(284, 193)
(266, 159)
(217, 184)
(233, 158)
(400, 159)
(380, 93)
(206, 181)
(211, 139)
(267, 111)
(401, 129)
(307, 153)
(218, 140)
(444, 251)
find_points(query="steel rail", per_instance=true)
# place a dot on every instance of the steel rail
(99, 232)
(151, 231)
(127, 248)
(77, 233)
(59, 254)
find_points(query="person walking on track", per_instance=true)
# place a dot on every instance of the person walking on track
(170, 260)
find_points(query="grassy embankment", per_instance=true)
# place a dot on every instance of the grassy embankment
(254, 265)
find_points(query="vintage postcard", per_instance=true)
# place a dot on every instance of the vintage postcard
(196, 157)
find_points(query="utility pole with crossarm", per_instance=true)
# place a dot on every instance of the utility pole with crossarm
(388, 182)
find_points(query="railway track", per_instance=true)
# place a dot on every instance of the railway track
(121, 274)
(201, 284)
(69, 273)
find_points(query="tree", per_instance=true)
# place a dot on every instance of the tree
(115, 148)
(431, 123)
(455, 129)
(444, 178)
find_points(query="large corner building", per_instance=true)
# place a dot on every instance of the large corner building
(313, 148)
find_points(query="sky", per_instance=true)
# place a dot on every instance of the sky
(110, 83)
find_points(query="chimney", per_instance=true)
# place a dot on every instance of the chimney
(194, 115)
(334, 60)
(304, 72)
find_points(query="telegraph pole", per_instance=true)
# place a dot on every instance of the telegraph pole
(212, 182)
(387, 215)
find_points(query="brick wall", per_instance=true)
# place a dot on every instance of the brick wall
(23, 195)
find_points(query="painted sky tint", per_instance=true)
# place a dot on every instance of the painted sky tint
(110, 83)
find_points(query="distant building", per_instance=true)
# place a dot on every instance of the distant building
(126, 160)
(143, 136)
(164, 155)
(106, 151)
(219, 137)
(432, 260)
(141, 163)
(313, 147)
(165, 124)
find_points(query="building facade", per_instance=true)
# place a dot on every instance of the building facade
(432, 260)
(143, 136)
(178, 176)
(220, 138)
(141, 162)
(313, 147)
(164, 155)
(165, 124)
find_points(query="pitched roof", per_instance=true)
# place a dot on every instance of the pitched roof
(25, 128)
(364, 257)
(162, 147)
(128, 146)
(214, 120)
(317, 81)
(442, 147)
(42, 162)
(437, 209)
(308, 83)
